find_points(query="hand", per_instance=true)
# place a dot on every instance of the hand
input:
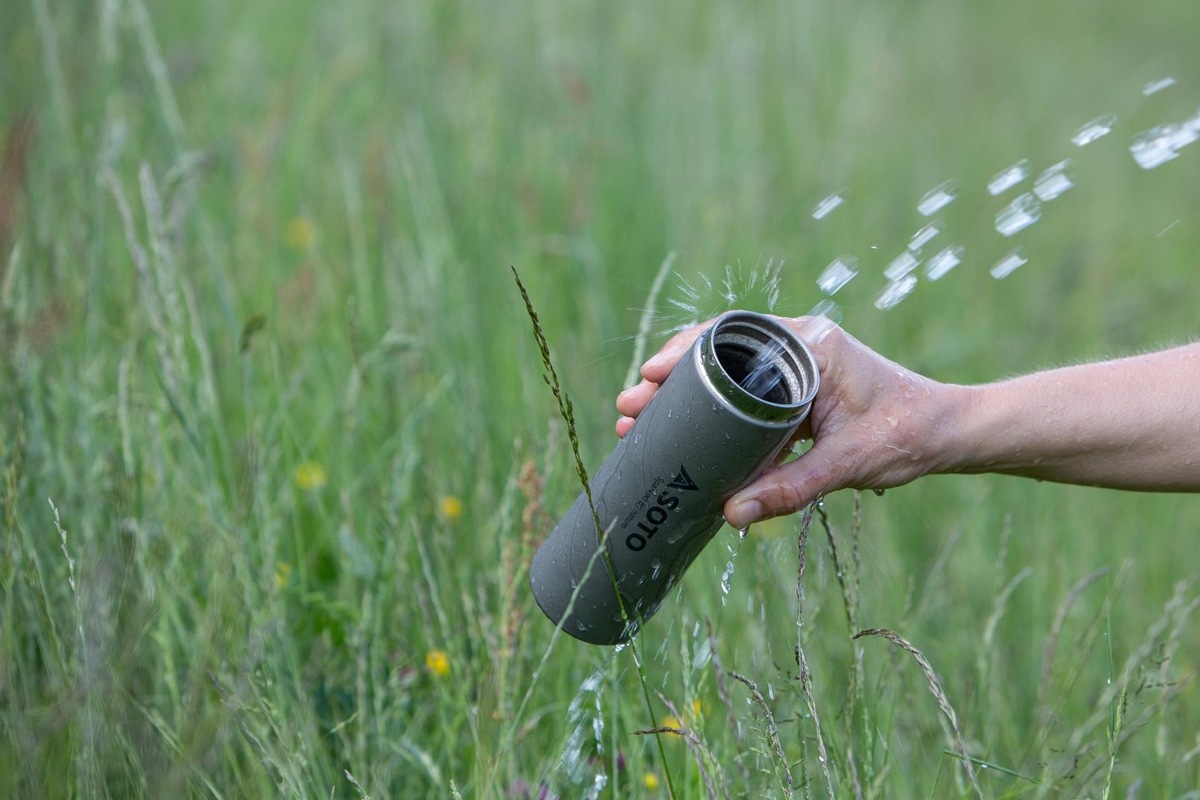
(874, 424)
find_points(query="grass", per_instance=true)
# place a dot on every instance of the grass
(276, 449)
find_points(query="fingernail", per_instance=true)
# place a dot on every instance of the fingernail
(745, 512)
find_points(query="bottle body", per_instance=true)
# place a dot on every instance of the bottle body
(722, 417)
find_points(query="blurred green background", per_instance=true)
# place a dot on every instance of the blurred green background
(263, 354)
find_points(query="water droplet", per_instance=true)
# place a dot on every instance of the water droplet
(938, 198)
(702, 655)
(1161, 144)
(895, 291)
(1100, 126)
(1053, 182)
(1019, 214)
(922, 237)
(901, 265)
(946, 260)
(1008, 177)
(1005, 266)
(655, 568)
(827, 205)
(820, 320)
(839, 272)
(1156, 86)
(762, 373)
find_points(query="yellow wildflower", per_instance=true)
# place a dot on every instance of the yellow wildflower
(650, 781)
(671, 721)
(451, 507)
(300, 234)
(697, 709)
(438, 663)
(309, 476)
(283, 572)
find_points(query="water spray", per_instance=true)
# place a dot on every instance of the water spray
(723, 416)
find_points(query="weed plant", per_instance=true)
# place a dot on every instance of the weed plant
(275, 447)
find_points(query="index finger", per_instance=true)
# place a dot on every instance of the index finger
(659, 366)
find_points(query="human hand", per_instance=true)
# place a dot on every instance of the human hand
(874, 424)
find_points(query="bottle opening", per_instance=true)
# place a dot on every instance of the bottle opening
(756, 372)
(764, 369)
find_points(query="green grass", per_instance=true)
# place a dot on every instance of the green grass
(258, 329)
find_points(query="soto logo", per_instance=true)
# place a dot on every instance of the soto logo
(656, 514)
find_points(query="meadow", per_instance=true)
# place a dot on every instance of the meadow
(276, 444)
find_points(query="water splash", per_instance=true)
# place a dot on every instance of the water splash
(1019, 214)
(727, 575)
(762, 373)
(1156, 86)
(895, 291)
(946, 260)
(1096, 129)
(583, 717)
(1053, 182)
(1009, 177)
(938, 198)
(839, 272)
(824, 208)
(1005, 266)
(694, 299)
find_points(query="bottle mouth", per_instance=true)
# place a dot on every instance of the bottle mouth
(760, 366)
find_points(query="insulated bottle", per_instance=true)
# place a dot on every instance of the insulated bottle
(722, 417)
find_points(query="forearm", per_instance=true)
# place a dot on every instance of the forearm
(1131, 423)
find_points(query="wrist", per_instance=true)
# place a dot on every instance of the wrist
(954, 429)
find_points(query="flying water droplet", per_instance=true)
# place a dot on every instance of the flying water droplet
(1005, 266)
(1019, 214)
(839, 272)
(1097, 128)
(1053, 182)
(1162, 143)
(923, 236)
(938, 198)
(827, 205)
(1008, 177)
(946, 260)
(820, 320)
(1156, 86)
(762, 373)
(895, 291)
(901, 265)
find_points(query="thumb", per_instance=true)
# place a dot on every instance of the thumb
(786, 489)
